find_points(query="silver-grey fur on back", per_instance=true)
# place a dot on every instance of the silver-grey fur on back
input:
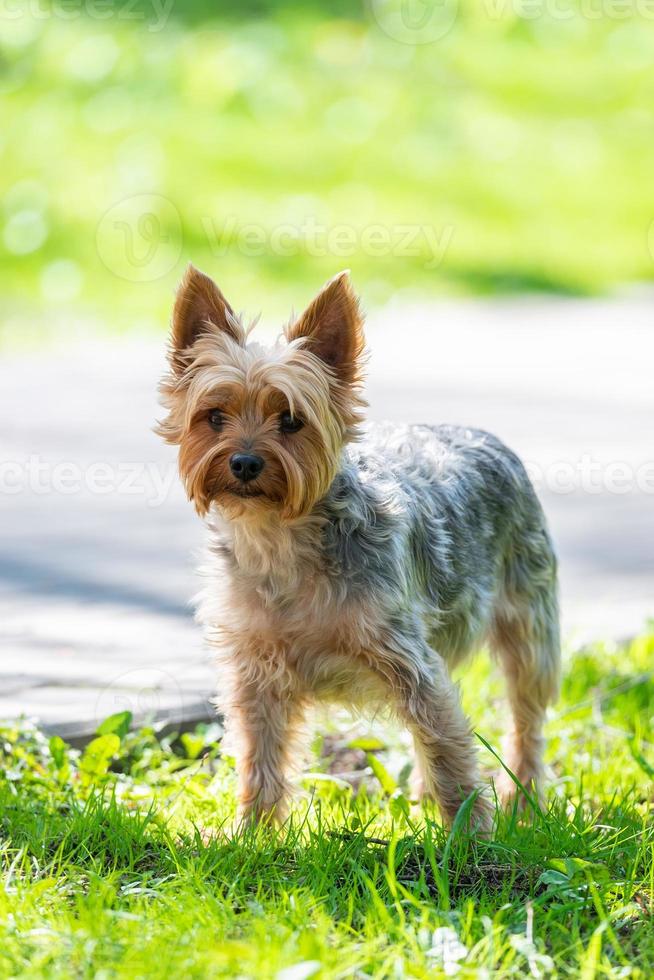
(445, 515)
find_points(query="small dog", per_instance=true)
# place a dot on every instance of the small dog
(352, 564)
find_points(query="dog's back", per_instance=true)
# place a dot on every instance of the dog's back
(444, 512)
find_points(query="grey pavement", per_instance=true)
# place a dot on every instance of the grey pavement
(98, 545)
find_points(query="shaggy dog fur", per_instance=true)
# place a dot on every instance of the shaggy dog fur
(351, 563)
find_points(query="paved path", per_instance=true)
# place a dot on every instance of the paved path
(97, 548)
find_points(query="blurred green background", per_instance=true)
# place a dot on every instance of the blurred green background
(480, 147)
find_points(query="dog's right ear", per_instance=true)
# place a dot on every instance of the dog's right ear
(332, 328)
(200, 308)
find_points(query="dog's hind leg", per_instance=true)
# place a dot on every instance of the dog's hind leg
(525, 638)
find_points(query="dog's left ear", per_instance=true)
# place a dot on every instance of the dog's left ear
(333, 327)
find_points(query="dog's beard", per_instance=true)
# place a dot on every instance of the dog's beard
(212, 482)
(290, 483)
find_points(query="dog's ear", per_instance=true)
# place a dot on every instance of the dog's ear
(333, 328)
(200, 307)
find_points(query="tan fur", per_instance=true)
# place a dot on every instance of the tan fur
(532, 683)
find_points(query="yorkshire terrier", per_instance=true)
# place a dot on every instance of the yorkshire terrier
(351, 563)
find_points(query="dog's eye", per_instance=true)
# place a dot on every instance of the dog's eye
(289, 423)
(215, 418)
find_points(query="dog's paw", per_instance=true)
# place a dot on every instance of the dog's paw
(518, 795)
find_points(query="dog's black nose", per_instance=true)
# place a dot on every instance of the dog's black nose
(245, 466)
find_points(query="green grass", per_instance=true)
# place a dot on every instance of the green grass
(523, 145)
(118, 863)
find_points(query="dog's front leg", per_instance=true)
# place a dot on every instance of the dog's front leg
(264, 718)
(446, 756)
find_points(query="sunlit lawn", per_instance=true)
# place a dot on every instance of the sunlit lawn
(277, 143)
(127, 870)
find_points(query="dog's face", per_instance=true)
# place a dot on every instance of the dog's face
(261, 428)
